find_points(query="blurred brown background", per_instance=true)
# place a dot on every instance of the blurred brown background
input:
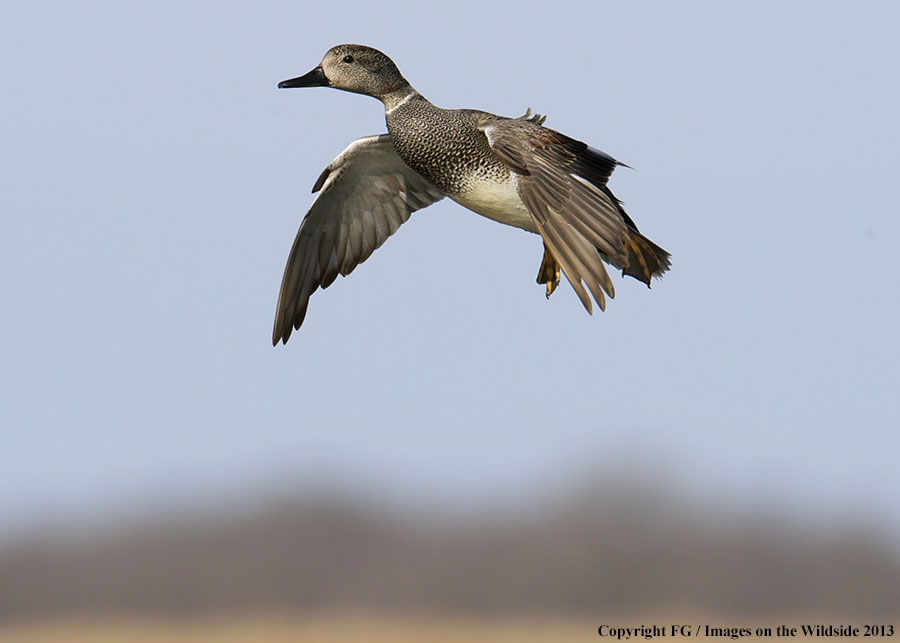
(616, 548)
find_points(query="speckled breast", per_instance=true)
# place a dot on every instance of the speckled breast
(444, 146)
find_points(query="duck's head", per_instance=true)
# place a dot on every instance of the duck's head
(353, 68)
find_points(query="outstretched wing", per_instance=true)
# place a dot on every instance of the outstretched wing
(562, 182)
(367, 192)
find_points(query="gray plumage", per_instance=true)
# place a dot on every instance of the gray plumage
(365, 194)
(512, 170)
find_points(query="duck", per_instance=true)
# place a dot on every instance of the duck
(514, 171)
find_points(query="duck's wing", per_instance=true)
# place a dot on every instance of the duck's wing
(365, 194)
(562, 182)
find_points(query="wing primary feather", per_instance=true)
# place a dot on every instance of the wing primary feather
(590, 266)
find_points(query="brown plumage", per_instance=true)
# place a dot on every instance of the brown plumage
(562, 183)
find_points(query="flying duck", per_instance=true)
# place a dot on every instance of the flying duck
(512, 170)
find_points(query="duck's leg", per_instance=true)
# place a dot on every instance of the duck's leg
(548, 272)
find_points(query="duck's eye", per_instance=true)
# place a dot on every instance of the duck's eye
(348, 59)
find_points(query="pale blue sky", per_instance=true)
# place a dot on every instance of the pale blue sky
(153, 178)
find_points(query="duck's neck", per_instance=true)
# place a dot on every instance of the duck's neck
(398, 97)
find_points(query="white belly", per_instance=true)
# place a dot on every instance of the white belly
(497, 201)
